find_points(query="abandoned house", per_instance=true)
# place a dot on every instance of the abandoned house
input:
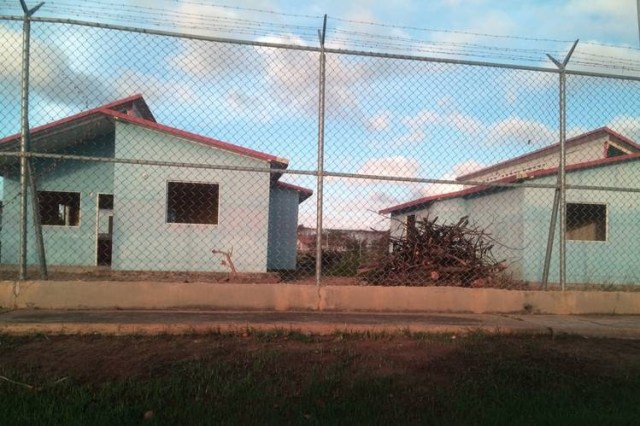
(601, 225)
(138, 210)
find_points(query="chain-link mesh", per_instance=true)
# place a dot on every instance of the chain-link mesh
(170, 155)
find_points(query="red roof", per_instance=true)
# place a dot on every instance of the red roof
(415, 204)
(197, 138)
(577, 140)
(304, 192)
(125, 104)
(121, 110)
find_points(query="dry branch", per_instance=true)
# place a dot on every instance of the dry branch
(227, 261)
(434, 253)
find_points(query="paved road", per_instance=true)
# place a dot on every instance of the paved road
(144, 322)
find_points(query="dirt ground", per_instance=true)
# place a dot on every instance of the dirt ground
(58, 273)
(106, 274)
(97, 359)
(71, 273)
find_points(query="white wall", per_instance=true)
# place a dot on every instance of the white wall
(590, 151)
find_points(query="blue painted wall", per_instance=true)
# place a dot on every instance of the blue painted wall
(64, 245)
(283, 224)
(519, 221)
(613, 261)
(500, 215)
(143, 240)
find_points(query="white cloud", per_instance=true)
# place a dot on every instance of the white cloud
(391, 166)
(411, 137)
(242, 103)
(198, 19)
(515, 130)
(462, 122)
(628, 126)
(467, 167)
(612, 9)
(455, 121)
(440, 188)
(526, 85)
(293, 78)
(154, 88)
(214, 60)
(356, 206)
(51, 74)
(288, 77)
(605, 59)
(358, 210)
(379, 122)
(606, 17)
(422, 118)
(457, 170)
(487, 21)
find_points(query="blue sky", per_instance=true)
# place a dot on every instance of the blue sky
(384, 117)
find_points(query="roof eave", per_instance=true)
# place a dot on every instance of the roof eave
(423, 202)
(572, 141)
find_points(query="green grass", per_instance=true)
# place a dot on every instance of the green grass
(487, 380)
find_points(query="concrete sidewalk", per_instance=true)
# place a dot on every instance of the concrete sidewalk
(171, 321)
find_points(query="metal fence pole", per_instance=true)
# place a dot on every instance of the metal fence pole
(559, 202)
(24, 135)
(550, 237)
(37, 223)
(320, 174)
(638, 13)
(563, 182)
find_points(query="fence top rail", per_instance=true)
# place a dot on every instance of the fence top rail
(385, 178)
(314, 48)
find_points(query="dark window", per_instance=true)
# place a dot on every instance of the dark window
(105, 201)
(192, 203)
(612, 151)
(59, 208)
(586, 222)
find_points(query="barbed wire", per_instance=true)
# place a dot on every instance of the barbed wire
(477, 34)
(377, 39)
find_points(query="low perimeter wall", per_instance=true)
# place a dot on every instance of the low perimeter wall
(283, 297)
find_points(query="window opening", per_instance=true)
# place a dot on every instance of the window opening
(586, 222)
(59, 208)
(195, 203)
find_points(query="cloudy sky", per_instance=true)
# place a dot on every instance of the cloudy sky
(391, 117)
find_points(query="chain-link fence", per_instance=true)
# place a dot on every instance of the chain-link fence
(153, 153)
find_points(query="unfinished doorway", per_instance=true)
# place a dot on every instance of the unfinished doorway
(104, 225)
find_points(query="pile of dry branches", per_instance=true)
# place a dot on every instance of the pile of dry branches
(430, 253)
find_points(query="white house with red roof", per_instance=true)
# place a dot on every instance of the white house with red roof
(138, 209)
(591, 146)
(602, 225)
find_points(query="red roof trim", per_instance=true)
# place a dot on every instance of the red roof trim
(304, 192)
(511, 179)
(285, 185)
(131, 99)
(149, 122)
(197, 138)
(439, 197)
(572, 141)
(109, 107)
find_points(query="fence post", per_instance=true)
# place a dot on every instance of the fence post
(559, 200)
(320, 171)
(24, 135)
